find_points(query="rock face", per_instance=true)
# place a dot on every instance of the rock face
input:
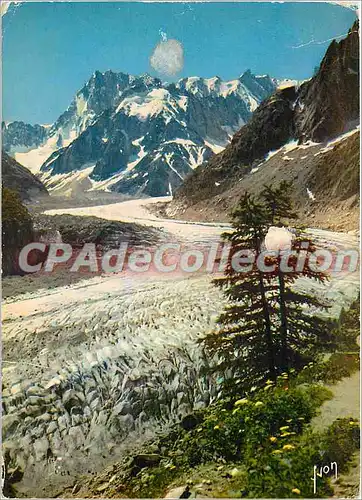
(270, 126)
(320, 109)
(104, 233)
(330, 101)
(139, 136)
(325, 181)
(20, 179)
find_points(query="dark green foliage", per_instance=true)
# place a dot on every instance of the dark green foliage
(246, 324)
(17, 230)
(272, 444)
(340, 441)
(13, 211)
(348, 328)
(266, 436)
(232, 431)
(345, 359)
(336, 367)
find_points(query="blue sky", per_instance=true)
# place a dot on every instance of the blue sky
(51, 49)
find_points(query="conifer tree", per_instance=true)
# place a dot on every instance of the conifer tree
(279, 206)
(246, 325)
(270, 324)
(299, 332)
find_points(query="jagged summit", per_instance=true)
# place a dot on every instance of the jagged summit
(138, 135)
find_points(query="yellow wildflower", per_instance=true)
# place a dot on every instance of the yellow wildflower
(285, 434)
(277, 452)
(288, 447)
(273, 439)
(217, 427)
(269, 382)
(240, 402)
(284, 428)
(235, 472)
(296, 491)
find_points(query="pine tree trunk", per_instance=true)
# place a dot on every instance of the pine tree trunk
(268, 332)
(284, 322)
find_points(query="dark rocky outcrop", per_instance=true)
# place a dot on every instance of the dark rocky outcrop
(146, 460)
(20, 179)
(269, 128)
(103, 233)
(329, 103)
(17, 230)
(18, 185)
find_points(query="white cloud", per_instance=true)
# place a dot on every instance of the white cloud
(278, 238)
(168, 57)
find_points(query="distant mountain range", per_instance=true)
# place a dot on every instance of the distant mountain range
(135, 134)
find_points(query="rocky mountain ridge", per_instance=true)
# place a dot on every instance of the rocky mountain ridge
(317, 111)
(19, 179)
(18, 136)
(139, 136)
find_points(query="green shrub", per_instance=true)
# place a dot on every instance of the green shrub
(336, 367)
(286, 473)
(276, 474)
(340, 441)
(231, 433)
(266, 435)
(17, 230)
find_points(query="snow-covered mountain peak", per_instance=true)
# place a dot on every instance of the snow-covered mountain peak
(137, 135)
